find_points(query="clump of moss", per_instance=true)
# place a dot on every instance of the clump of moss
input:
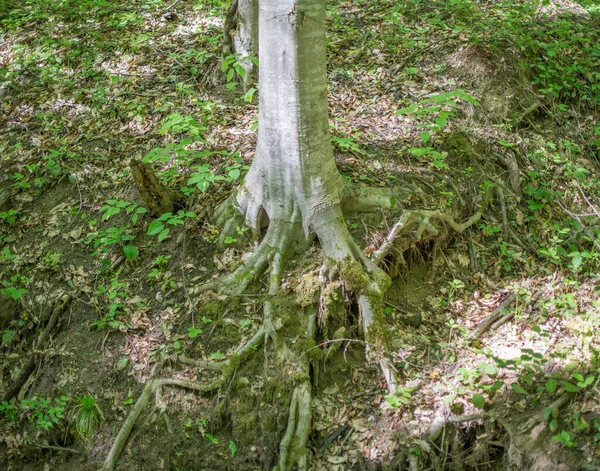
(308, 289)
(212, 309)
(353, 274)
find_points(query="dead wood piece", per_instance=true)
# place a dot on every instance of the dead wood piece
(156, 197)
(538, 418)
(5, 197)
(485, 324)
(31, 364)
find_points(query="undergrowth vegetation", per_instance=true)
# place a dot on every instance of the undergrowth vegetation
(86, 86)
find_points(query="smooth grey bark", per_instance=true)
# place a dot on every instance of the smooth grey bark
(293, 177)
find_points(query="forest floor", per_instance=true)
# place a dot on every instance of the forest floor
(461, 106)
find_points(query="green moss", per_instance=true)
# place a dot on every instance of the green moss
(354, 276)
(212, 309)
(382, 280)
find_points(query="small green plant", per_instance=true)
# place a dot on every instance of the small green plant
(194, 332)
(105, 240)
(52, 261)
(565, 438)
(46, 413)
(232, 65)
(159, 263)
(114, 207)
(10, 410)
(401, 397)
(347, 143)
(87, 416)
(159, 226)
(203, 175)
(437, 158)
(232, 448)
(8, 336)
(6, 255)
(10, 216)
(115, 297)
(15, 286)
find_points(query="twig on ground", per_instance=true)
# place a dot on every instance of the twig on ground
(485, 325)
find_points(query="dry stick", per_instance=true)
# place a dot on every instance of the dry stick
(485, 325)
(508, 232)
(30, 367)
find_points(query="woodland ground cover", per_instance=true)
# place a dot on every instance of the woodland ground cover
(461, 106)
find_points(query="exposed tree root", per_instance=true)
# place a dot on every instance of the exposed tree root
(32, 363)
(154, 387)
(422, 219)
(279, 239)
(345, 266)
(293, 445)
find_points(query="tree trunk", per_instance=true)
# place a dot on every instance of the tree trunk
(241, 36)
(293, 177)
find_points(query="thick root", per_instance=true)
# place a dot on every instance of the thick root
(292, 450)
(154, 387)
(278, 242)
(362, 199)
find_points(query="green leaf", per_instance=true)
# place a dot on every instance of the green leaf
(518, 388)
(155, 227)
(425, 136)
(193, 332)
(13, 292)
(569, 387)
(163, 234)
(211, 438)
(478, 401)
(441, 122)
(411, 109)
(131, 252)
(232, 448)
(234, 174)
(551, 385)
(7, 336)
